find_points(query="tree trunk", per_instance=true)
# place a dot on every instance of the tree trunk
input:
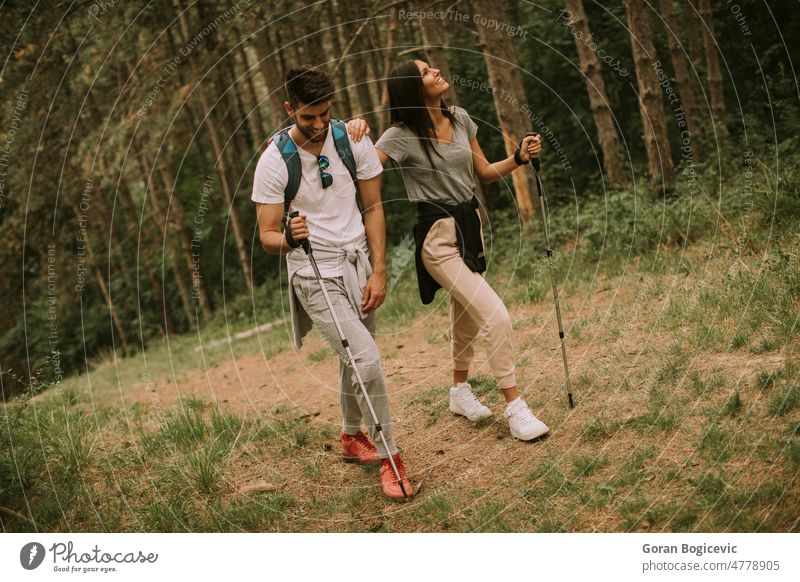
(598, 97)
(244, 123)
(146, 258)
(694, 33)
(314, 53)
(355, 15)
(115, 244)
(281, 54)
(651, 105)
(273, 74)
(410, 30)
(198, 283)
(683, 78)
(388, 56)
(344, 104)
(258, 130)
(174, 50)
(375, 47)
(434, 37)
(219, 154)
(152, 194)
(509, 96)
(114, 318)
(227, 191)
(231, 97)
(105, 212)
(117, 326)
(714, 74)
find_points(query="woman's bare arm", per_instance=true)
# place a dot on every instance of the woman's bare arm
(488, 172)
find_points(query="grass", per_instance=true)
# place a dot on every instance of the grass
(587, 465)
(431, 404)
(732, 405)
(706, 384)
(598, 429)
(687, 415)
(663, 413)
(486, 388)
(439, 509)
(715, 444)
(320, 355)
(204, 471)
(785, 400)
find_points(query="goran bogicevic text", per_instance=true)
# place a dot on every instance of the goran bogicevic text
(697, 550)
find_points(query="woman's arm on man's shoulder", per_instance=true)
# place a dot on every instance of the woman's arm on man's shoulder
(358, 128)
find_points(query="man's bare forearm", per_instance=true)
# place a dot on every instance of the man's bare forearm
(275, 243)
(375, 227)
(374, 222)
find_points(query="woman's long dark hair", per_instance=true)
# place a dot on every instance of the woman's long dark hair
(407, 105)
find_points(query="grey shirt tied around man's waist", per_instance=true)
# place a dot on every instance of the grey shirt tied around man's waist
(355, 268)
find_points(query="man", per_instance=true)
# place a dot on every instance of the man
(350, 254)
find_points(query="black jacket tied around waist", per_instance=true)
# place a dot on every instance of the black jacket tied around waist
(468, 239)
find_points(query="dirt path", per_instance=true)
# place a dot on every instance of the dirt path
(417, 359)
(450, 452)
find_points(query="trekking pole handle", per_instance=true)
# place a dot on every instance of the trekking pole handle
(534, 161)
(303, 243)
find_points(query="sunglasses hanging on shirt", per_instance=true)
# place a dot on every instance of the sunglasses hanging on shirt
(325, 177)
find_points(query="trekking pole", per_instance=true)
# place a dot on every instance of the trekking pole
(550, 263)
(306, 244)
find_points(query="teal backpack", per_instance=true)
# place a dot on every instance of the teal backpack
(291, 157)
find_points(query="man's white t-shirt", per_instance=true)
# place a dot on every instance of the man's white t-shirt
(332, 213)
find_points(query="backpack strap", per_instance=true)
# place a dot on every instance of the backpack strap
(291, 157)
(342, 144)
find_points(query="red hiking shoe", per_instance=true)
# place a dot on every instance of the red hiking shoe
(391, 487)
(358, 448)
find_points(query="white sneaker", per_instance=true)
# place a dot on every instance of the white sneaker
(522, 422)
(464, 403)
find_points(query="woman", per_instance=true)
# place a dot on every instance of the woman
(438, 156)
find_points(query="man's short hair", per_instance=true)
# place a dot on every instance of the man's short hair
(308, 85)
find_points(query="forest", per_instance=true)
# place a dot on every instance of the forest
(131, 132)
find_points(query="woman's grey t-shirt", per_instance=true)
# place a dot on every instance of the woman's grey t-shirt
(451, 179)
